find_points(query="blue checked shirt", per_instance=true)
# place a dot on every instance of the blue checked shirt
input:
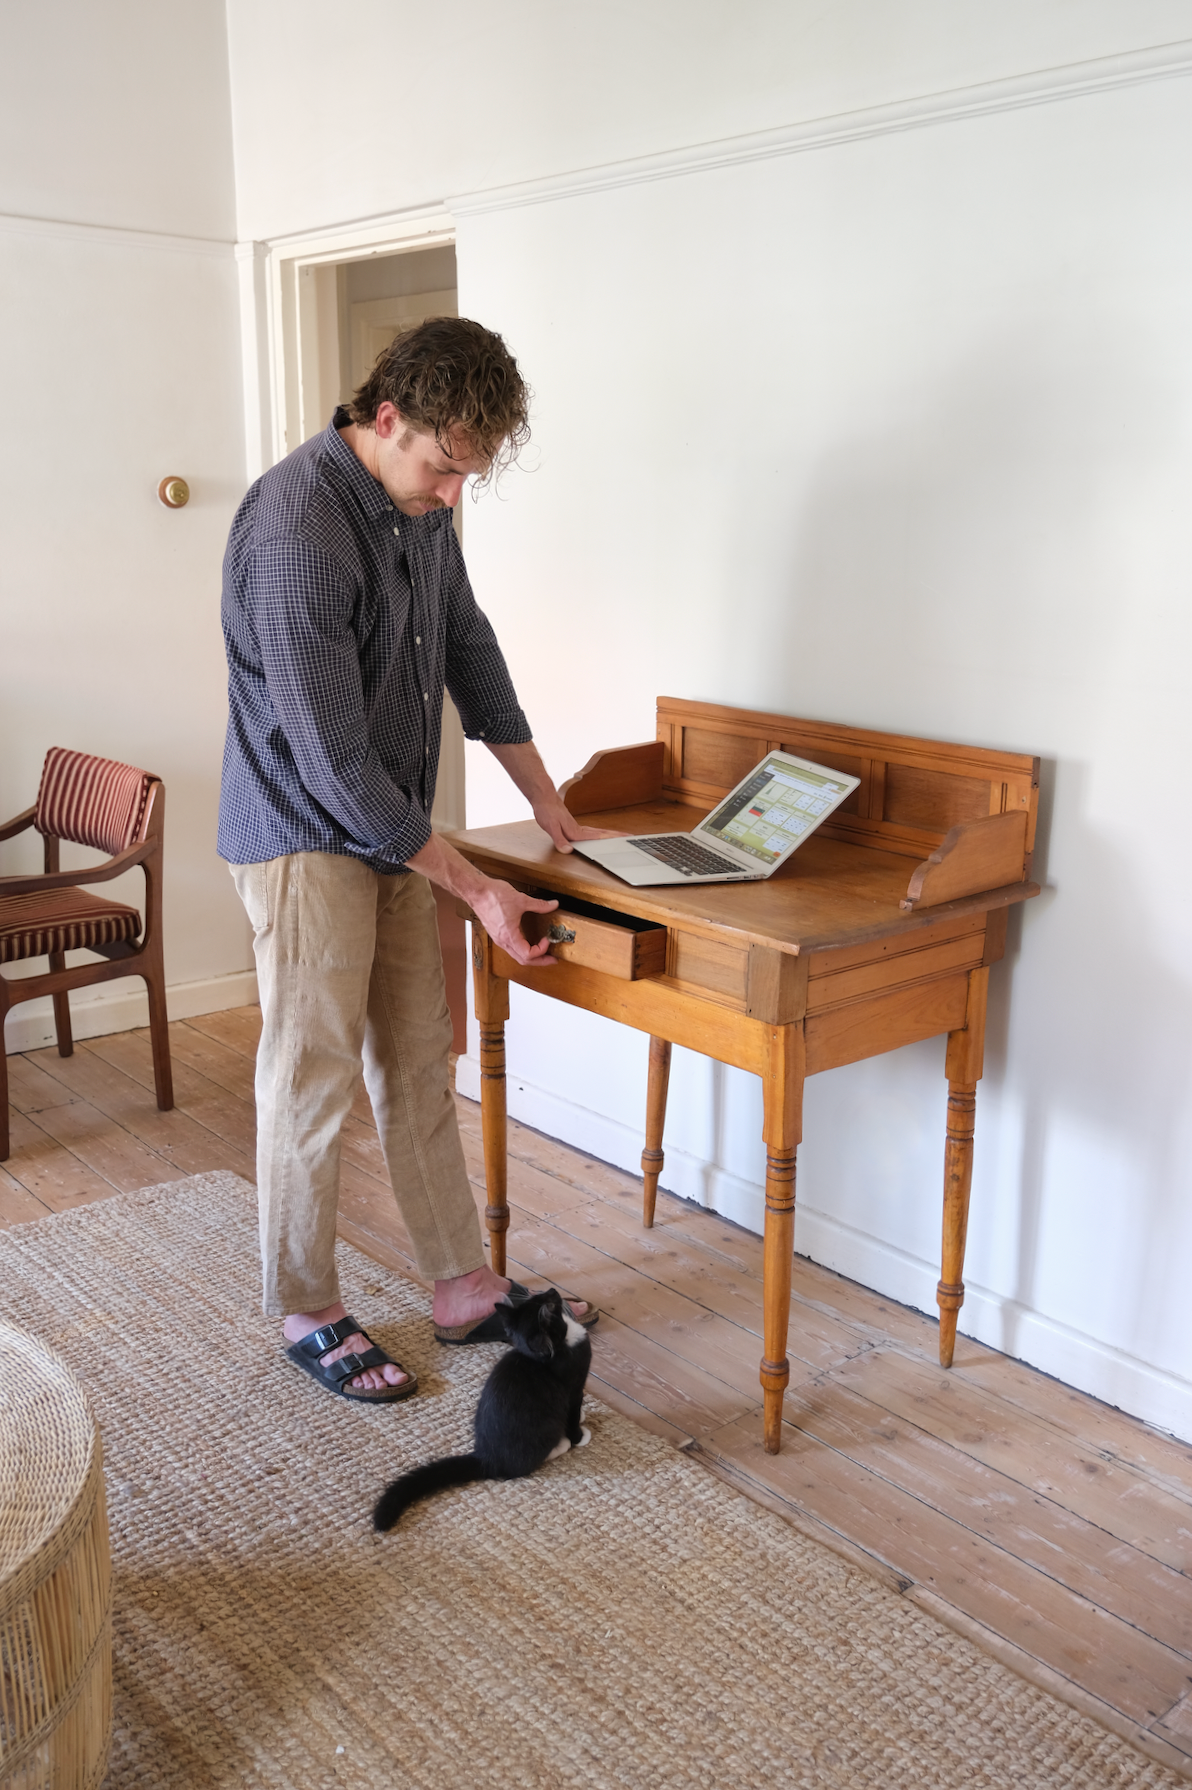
(343, 620)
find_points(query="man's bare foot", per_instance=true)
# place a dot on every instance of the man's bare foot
(471, 1297)
(301, 1323)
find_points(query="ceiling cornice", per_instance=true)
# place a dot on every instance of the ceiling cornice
(1046, 86)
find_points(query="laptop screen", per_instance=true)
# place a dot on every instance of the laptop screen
(768, 814)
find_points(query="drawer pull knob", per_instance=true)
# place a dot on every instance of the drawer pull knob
(561, 935)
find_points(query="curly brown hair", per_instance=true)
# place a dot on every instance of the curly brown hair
(457, 378)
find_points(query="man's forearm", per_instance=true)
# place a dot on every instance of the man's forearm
(440, 863)
(497, 905)
(524, 767)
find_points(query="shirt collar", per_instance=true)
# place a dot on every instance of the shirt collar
(369, 493)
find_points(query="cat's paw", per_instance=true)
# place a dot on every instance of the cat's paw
(585, 1436)
(558, 1449)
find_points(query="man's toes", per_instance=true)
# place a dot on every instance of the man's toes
(375, 1379)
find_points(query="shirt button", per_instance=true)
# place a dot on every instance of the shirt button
(426, 696)
(417, 640)
(397, 531)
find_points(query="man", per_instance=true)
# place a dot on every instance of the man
(346, 608)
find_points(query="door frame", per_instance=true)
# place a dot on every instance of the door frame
(279, 293)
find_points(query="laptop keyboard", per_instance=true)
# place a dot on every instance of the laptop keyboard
(682, 853)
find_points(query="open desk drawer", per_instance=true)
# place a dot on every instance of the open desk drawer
(599, 939)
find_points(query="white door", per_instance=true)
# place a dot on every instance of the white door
(374, 322)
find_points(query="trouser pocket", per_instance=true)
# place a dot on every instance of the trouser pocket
(252, 886)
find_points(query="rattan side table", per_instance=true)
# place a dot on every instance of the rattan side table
(55, 1576)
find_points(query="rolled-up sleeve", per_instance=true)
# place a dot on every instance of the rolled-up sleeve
(302, 602)
(477, 676)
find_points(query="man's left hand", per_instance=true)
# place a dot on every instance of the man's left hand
(530, 775)
(557, 820)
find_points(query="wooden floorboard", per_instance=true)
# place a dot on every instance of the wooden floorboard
(1049, 1528)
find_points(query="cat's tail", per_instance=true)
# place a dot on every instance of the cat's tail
(436, 1476)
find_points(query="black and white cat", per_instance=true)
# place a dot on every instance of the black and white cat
(529, 1409)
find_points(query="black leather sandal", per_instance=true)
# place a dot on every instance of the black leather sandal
(491, 1329)
(334, 1375)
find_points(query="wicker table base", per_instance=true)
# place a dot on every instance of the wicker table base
(55, 1577)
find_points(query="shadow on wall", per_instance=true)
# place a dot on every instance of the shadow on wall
(1100, 1068)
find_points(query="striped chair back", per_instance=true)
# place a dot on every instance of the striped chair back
(91, 801)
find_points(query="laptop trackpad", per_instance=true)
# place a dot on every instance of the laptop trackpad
(612, 853)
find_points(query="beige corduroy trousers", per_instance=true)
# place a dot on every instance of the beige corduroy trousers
(349, 968)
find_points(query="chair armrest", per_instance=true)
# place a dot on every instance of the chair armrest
(73, 879)
(12, 827)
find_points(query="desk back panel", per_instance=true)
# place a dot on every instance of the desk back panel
(912, 791)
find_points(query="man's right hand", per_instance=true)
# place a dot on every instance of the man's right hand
(499, 908)
(497, 905)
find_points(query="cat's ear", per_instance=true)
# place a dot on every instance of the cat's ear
(508, 1316)
(543, 1343)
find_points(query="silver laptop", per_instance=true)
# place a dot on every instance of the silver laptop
(754, 830)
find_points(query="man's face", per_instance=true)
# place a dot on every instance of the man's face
(415, 471)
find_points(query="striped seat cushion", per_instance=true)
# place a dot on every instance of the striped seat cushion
(62, 920)
(92, 801)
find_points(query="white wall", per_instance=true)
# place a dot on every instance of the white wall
(401, 104)
(912, 412)
(117, 115)
(119, 344)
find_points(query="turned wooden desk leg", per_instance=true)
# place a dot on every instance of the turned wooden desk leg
(492, 1010)
(783, 1092)
(652, 1156)
(964, 1065)
(958, 1179)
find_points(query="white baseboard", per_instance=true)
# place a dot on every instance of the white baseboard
(119, 1006)
(989, 1317)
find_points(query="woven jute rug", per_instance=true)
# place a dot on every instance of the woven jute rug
(620, 1619)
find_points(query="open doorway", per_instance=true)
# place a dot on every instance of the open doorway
(343, 314)
(385, 294)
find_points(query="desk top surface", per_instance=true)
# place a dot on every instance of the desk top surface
(829, 894)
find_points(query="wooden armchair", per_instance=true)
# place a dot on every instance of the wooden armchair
(114, 808)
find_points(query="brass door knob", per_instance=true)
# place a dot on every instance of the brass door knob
(174, 492)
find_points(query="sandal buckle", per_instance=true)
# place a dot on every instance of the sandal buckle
(346, 1368)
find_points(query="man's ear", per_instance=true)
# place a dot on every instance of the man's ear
(388, 421)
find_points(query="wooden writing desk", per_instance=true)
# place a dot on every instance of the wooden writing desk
(878, 931)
